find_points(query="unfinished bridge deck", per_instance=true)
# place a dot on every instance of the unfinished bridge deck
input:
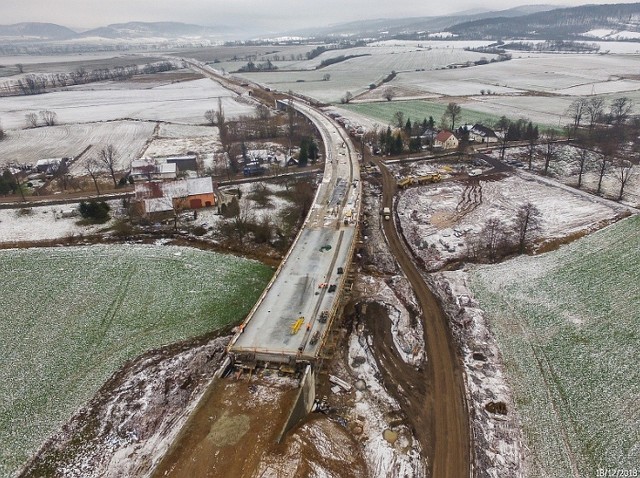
(303, 287)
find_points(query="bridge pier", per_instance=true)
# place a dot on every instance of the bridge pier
(303, 402)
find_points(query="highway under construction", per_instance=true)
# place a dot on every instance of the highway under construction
(289, 323)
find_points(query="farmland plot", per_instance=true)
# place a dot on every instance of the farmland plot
(66, 63)
(356, 74)
(441, 221)
(73, 316)
(177, 140)
(29, 145)
(180, 102)
(568, 327)
(46, 223)
(549, 73)
(566, 168)
(416, 110)
(561, 77)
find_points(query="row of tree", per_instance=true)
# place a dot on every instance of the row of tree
(593, 110)
(33, 84)
(498, 238)
(48, 118)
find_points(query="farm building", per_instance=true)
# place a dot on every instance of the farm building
(49, 166)
(148, 169)
(188, 162)
(445, 140)
(161, 199)
(481, 134)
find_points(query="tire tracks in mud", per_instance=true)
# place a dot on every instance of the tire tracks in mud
(440, 414)
(470, 200)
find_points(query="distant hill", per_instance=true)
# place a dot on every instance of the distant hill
(168, 30)
(558, 24)
(38, 31)
(399, 26)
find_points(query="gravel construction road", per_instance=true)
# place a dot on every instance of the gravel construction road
(438, 411)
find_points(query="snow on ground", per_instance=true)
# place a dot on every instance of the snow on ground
(45, 223)
(406, 326)
(175, 130)
(140, 418)
(373, 406)
(184, 102)
(497, 438)
(566, 168)
(30, 145)
(202, 145)
(441, 221)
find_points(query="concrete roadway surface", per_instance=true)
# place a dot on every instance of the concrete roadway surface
(300, 290)
(440, 416)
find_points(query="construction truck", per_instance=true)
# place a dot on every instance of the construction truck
(429, 178)
(386, 213)
(424, 179)
(406, 182)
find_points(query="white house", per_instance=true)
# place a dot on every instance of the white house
(446, 140)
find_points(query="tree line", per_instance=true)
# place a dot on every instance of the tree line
(34, 84)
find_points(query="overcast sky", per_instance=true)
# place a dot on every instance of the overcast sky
(269, 15)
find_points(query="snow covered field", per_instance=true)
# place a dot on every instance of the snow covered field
(184, 102)
(74, 315)
(566, 168)
(356, 74)
(567, 326)
(441, 221)
(26, 146)
(45, 223)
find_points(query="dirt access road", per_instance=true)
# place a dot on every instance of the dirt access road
(438, 410)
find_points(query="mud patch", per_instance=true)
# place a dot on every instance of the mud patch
(228, 429)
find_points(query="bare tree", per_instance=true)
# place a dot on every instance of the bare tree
(221, 122)
(583, 154)
(532, 146)
(241, 221)
(550, 147)
(20, 67)
(346, 99)
(16, 179)
(620, 109)
(594, 109)
(1, 132)
(527, 220)
(493, 237)
(49, 118)
(32, 120)
(577, 109)
(608, 146)
(453, 112)
(623, 169)
(61, 174)
(210, 116)
(291, 123)
(398, 119)
(262, 112)
(93, 168)
(326, 77)
(107, 158)
(388, 93)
